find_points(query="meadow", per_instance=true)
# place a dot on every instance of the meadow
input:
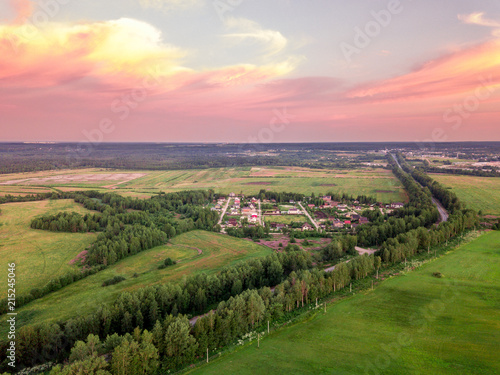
(195, 252)
(286, 219)
(478, 193)
(376, 182)
(39, 255)
(411, 324)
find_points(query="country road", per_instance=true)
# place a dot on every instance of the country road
(310, 218)
(223, 212)
(443, 214)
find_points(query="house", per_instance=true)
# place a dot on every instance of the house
(292, 201)
(232, 223)
(326, 198)
(355, 217)
(347, 222)
(246, 211)
(397, 205)
(294, 211)
(338, 224)
(307, 227)
(232, 195)
(280, 226)
(363, 220)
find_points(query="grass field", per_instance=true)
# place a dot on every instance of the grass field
(368, 181)
(413, 324)
(286, 219)
(39, 255)
(478, 193)
(83, 296)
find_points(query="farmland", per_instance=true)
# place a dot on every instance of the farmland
(479, 193)
(376, 182)
(196, 252)
(415, 323)
(39, 255)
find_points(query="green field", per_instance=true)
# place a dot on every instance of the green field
(286, 219)
(478, 193)
(39, 255)
(83, 296)
(376, 182)
(412, 324)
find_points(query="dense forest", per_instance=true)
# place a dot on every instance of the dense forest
(29, 157)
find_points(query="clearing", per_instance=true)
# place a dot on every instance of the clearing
(39, 255)
(217, 251)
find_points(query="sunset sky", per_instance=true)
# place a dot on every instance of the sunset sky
(249, 70)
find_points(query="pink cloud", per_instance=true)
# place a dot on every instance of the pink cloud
(23, 9)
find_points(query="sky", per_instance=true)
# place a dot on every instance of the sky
(250, 70)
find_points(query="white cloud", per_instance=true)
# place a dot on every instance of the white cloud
(478, 19)
(272, 42)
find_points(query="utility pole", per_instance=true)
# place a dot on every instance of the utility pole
(268, 326)
(350, 287)
(372, 284)
(324, 303)
(207, 355)
(258, 340)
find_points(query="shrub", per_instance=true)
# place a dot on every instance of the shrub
(166, 263)
(437, 274)
(113, 281)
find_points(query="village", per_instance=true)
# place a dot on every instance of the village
(237, 211)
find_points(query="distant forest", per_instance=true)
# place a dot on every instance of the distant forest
(30, 157)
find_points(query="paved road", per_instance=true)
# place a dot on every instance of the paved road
(224, 211)
(310, 218)
(442, 211)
